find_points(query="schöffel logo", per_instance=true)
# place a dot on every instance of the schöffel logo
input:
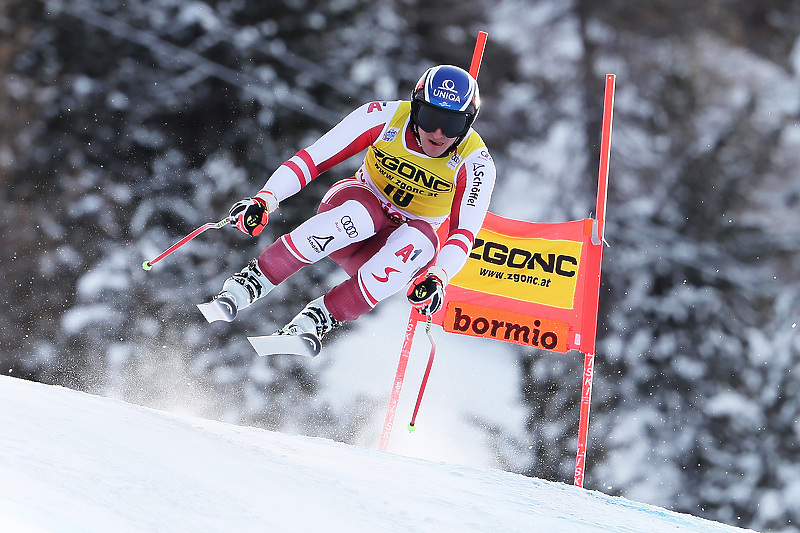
(479, 321)
(477, 174)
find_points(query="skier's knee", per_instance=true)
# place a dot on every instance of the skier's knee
(426, 230)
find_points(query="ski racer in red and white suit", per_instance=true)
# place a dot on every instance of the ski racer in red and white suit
(379, 225)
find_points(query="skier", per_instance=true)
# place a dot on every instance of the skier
(424, 163)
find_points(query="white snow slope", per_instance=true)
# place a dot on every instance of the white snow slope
(73, 462)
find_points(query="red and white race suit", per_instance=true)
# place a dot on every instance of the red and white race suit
(379, 225)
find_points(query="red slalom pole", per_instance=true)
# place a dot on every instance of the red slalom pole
(399, 377)
(605, 153)
(595, 254)
(477, 55)
(147, 265)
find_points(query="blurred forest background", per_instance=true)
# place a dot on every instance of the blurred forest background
(126, 124)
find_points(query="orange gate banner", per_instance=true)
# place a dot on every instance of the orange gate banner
(528, 283)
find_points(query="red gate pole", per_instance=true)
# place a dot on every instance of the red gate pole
(596, 257)
(477, 54)
(400, 375)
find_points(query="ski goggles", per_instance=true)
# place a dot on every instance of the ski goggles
(431, 118)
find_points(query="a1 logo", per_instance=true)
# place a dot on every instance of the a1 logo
(408, 252)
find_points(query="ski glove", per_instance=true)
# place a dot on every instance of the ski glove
(250, 215)
(427, 296)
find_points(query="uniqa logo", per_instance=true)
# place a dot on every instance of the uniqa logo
(447, 90)
(448, 85)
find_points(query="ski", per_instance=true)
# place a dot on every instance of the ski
(305, 344)
(220, 308)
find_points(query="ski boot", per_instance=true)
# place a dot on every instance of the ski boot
(314, 319)
(238, 292)
(301, 336)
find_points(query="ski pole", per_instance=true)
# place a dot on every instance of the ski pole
(147, 265)
(428, 321)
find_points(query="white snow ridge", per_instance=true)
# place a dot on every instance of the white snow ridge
(72, 462)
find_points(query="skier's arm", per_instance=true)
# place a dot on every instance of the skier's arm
(352, 135)
(474, 185)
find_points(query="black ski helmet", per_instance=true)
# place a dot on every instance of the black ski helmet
(446, 97)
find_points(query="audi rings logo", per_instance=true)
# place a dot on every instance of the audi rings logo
(349, 227)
